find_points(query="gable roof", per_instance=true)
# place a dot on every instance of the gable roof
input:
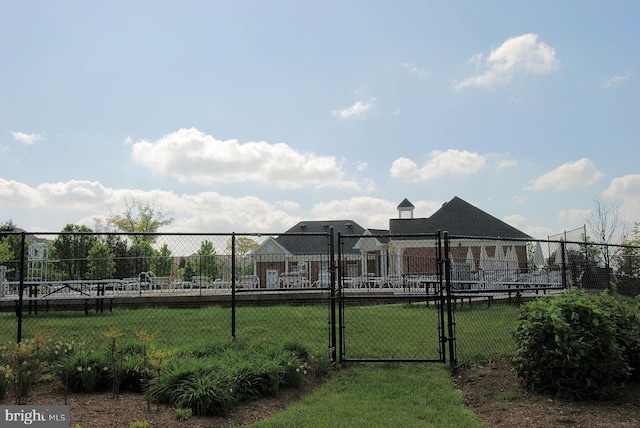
(297, 244)
(457, 217)
(406, 204)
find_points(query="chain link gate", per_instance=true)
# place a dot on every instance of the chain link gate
(392, 298)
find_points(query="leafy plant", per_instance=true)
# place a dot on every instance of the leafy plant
(207, 394)
(84, 370)
(21, 363)
(115, 363)
(5, 376)
(131, 376)
(566, 345)
(183, 414)
(626, 324)
(319, 363)
(175, 373)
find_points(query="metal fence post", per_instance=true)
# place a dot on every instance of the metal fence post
(21, 285)
(450, 326)
(332, 321)
(563, 264)
(340, 302)
(441, 295)
(233, 286)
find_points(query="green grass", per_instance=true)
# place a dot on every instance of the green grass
(370, 332)
(381, 395)
(483, 333)
(400, 332)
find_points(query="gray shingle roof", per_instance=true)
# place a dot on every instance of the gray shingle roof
(457, 217)
(406, 204)
(297, 244)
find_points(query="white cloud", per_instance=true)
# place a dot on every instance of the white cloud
(627, 190)
(627, 186)
(519, 199)
(414, 69)
(520, 222)
(571, 175)
(190, 156)
(356, 110)
(615, 80)
(27, 139)
(574, 216)
(368, 212)
(521, 54)
(506, 163)
(49, 206)
(451, 162)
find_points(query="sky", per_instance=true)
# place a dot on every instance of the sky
(250, 116)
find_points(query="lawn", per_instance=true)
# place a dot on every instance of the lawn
(381, 395)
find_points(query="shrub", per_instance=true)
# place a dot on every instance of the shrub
(21, 362)
(132, 373)
(566, 345)
(5, 374)
(205, 394)
(319, 363)
(163, 388)
(84, 370)
(626, 324)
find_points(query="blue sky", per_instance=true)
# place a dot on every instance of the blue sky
(250, 116)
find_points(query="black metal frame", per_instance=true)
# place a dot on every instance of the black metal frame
(441, 298)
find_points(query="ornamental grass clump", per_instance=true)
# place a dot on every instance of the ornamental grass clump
(211, 385)
(85, 370)
(570, 346)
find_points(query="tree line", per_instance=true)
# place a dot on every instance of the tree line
(123, 248)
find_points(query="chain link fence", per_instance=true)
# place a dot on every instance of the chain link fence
(369, 297)
(492, 277)
(199, 288)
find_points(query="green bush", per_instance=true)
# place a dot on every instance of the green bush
(5, 374)
(210, 385)
(133, 372)
(626, 323)
(568, 346)
(163, 388)
(84, 370)
(205, 394)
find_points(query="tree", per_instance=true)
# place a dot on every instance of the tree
(140, 217)
(101, 262)
(120, 249)
(205, 263)
(71, 249)
(628, 260)
(606, 226)
(162, 262)
(10, 242)
(244, 245)
(140, 255)
(6, 253)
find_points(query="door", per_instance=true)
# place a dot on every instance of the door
(272, 278)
